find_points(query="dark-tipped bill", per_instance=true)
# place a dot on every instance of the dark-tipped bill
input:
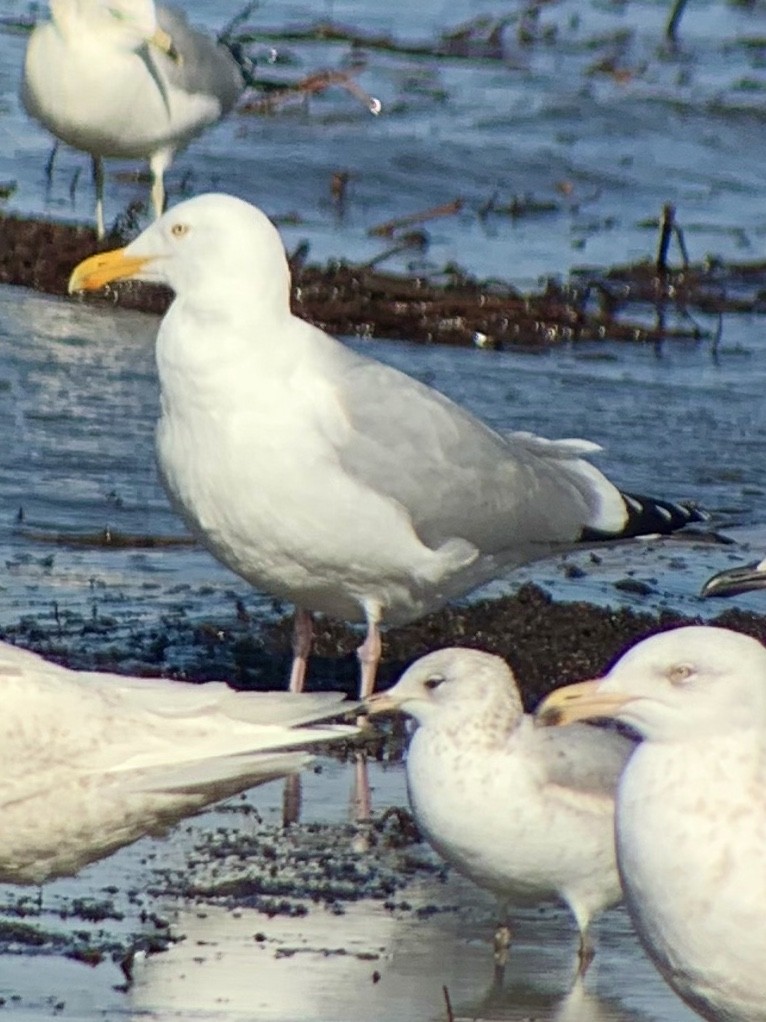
(103, 268)
(584, 701)
(733, 581)
(379, 703)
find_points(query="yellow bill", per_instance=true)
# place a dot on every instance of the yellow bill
(379, 703)
(583, 701)
(103, 268)
(164, 42)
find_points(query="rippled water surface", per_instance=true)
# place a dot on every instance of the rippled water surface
(593, 116)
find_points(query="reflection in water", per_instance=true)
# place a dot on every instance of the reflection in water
(386, 966)
(386, 961)
(519, 1001)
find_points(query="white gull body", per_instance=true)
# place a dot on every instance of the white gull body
(691, 812)
(523, 811)
(91, 761)
(322, 476)
(96, 78)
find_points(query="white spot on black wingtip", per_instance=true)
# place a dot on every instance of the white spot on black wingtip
(647, 516)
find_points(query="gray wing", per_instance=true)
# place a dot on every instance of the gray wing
(583, 758)
(206, 66)
(458, 478)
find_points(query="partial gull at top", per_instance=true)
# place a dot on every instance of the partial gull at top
(322, 476)
(524, 812)
(91, 761)
(691, 809)
(126, 79)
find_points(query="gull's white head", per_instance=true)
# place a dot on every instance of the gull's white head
(208, 249)
(454, 688)
(680, 684)
(115, 24)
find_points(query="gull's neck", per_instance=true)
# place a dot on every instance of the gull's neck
(205, 342)
(486, 727)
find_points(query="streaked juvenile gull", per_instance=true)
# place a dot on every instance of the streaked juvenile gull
(322, 476)
(732, 581)
(523, 811)
(119, 78)
(90, 762)
(691, 809)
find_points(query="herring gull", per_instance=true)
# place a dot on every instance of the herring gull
(523, 811)
(90, 762)
(744, 578)
(123, 79)
(691, 809)
(325, 477)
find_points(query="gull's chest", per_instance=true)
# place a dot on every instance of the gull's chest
(691, 841)
(255, 431)
(101, 102)
(479, 808)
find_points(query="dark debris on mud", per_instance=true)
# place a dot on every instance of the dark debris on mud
(548, 643)
(280, 870)
(639, 303)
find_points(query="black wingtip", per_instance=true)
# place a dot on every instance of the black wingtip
(648, 516)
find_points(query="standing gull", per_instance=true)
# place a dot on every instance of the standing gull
(90, 762)
(323, 476)
(691, 809)
(123, 79)
(523, 811)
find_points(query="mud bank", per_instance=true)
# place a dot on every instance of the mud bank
(645, 302)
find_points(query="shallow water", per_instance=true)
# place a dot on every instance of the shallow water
(78, 400)
(370, 962)
(543, 120)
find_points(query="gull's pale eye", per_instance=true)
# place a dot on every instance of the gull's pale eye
(117, 13)
(433, 682)
(680, 674)
(179, 230)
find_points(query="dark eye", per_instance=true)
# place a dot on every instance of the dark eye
(434, 681)
(680, 674)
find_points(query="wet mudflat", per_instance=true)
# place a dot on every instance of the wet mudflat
(376, 940)
(551, 138)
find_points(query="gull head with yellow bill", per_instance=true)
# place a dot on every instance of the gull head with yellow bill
(696, 679)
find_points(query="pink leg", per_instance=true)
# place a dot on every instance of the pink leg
(303, 632)
(361, 795)
(369, 652)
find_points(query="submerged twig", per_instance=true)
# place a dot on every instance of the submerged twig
(448, 1005)
(671, 29)
(668, 229)
(412, 240)
(310, 85)
(387, 229)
